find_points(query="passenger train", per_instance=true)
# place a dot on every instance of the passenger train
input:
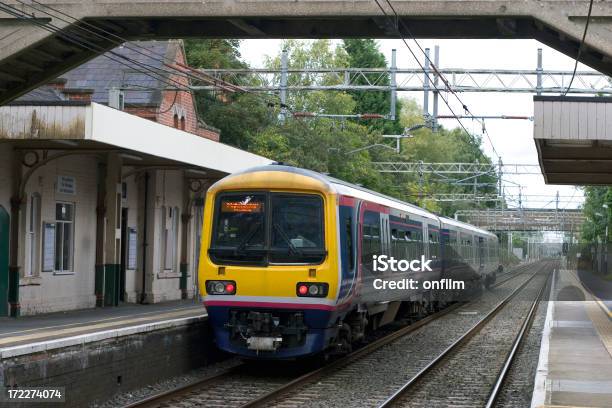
(286, 264)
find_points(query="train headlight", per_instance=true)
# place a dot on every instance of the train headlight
(312, 289)
(215, 287)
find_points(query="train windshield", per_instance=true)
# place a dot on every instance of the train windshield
(268, 228)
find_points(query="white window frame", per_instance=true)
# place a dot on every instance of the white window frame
(59, 231)
(33, 234)
(169, 238)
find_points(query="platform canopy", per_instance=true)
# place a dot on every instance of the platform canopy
(90, 127)
(573, 136)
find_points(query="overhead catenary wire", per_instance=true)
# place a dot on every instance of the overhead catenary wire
(393, 23)
(215, 81)
(119, 41)
(580, 47)
(125, 61)
(149, 70)
(152, 71)
(183, 69)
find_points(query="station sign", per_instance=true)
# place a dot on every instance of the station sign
(66, 185)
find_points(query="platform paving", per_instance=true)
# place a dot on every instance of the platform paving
(95, 323)
(575, 367)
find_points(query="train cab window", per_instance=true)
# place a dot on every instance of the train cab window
(297, 229)
(261, 228)
(239, 228)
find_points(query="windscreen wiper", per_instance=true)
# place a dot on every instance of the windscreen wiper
(292, 248)
(249, 236)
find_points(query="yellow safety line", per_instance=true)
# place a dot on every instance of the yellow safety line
(87, 323)
(604, 307)
(94, 327)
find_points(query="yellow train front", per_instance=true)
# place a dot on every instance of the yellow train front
(268, 270)
(286, 264)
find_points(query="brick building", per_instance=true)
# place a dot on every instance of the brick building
(144, 95)
(100, 206)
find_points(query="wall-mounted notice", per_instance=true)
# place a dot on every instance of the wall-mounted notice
(66, 185)
(132, 236)
(48, 261)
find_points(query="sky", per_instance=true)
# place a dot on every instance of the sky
(513, 139)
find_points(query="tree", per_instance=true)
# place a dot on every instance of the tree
(444, 146)
(238, 116)
(345, 149)
(214, 53)
(597, 216)
(321, 144)
(364, 53)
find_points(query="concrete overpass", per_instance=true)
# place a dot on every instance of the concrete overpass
(36, 42)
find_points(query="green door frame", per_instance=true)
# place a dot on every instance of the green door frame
(4, 261)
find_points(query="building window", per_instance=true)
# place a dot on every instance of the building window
(64, 236)
(182, 123)
(176, 121)
(33, 237)
(170, 227)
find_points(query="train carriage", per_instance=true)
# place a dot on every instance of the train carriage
(287, 260)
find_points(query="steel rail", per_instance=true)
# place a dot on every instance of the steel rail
(166, 396)
(358, 354)
(157, 399)
(518, 340)
(466, 336)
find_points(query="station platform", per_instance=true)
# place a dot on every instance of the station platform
(575, 364)
(30, 334)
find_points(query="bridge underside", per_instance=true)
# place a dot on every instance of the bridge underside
(38, 43)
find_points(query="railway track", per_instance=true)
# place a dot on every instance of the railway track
(463, 373)
(245, 385)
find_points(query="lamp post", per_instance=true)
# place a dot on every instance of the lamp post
(405, 135)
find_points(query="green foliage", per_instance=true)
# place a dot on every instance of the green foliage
(594, 228)
(444, 146)
(341, 148)
(364, 53)
(314, 55)
(214, 53)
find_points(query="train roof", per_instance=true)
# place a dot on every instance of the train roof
(356, 191)
(346, 188)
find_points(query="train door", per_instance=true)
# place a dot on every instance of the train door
(481, 252)
(385, 239)
(4, 260)
(425, 240)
